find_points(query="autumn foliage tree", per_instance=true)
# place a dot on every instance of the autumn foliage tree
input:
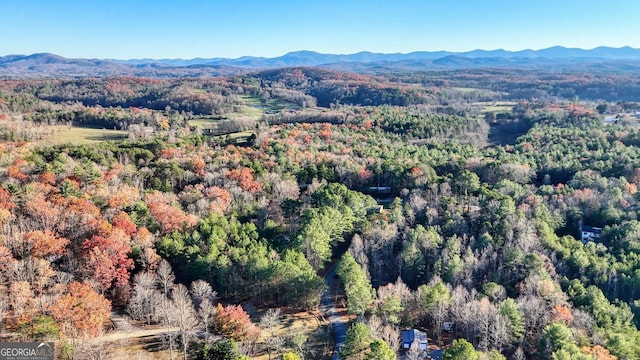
(220, 199)
(22, 302)
(44, 243)
(81, 312)
(233, 322)
(245, 179)
(599, 353)
(122, 220)
(563, 314)
(169, 217)
(124, 196)
(5, 200)
(6, 258)
(108, 259)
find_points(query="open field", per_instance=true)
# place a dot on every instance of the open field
(253, 110)
(466, 89)
(205, 122)
(83, 135)
(62, 134)
(497, 107)
(271, 104)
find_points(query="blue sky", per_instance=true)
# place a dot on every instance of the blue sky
(188, 28)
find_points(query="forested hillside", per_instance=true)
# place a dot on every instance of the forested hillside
(457, 201)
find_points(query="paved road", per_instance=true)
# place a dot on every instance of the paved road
(338, 327)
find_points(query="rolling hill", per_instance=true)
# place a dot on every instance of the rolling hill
(557, 57)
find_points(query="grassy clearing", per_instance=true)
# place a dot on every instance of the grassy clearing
(252, 101)
(497, 106)
(253, 109)
(466, 89)
(277, 105)
(143, 348)
(205, 122)
(79, 135)
(249, 111)
(314, 326)
(271, 104)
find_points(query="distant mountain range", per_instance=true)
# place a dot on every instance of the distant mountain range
(558, 57)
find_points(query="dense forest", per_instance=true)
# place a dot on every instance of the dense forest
(455, 198)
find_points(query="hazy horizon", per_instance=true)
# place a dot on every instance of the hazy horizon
(324, 53)
(192, 29)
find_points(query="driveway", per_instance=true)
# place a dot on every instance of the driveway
(338, 327)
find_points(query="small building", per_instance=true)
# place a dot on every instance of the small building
(589, 233)
(448, 326)
(414, 338)
(379, 189)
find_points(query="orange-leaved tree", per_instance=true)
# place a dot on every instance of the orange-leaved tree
(45, 243)
(245, 179)
(81, 312)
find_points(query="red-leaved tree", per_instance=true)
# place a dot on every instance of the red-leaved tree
(233, 322)
(107, 258)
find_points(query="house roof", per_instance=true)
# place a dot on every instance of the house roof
(409, 336)
(595, 230)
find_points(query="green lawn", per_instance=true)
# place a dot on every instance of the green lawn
(84, 135)
(252, 101)
(205, 122)
(249, 111)
(497, 108)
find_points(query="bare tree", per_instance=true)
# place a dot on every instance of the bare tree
(499, 333)
(387, 333)
(535, 314)
(166, 277)
(201, 290)
(4, 308)
(184, 315)
(485, 315)
(391, 335)
(519, 354)
(357, 250)
(146, 298)
(375, 325)
(206, 311)
(269, 322)
(459, 299)
(439, 313)
(379, 241)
